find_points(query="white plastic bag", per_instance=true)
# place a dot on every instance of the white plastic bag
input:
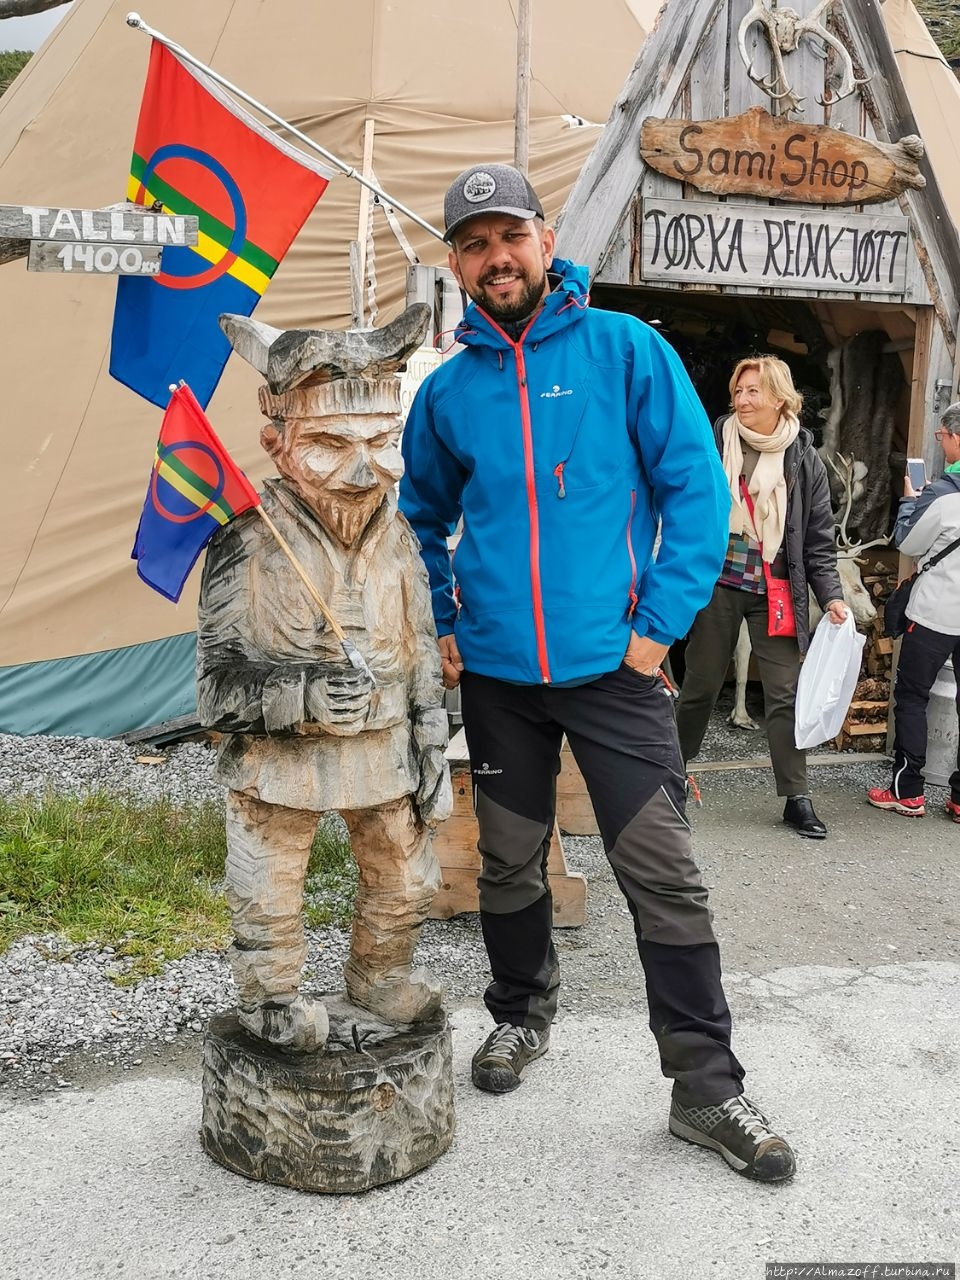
(828, 678)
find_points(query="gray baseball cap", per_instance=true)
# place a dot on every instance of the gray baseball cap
(488, 188)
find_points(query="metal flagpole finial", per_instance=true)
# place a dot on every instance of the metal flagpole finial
(134, 20)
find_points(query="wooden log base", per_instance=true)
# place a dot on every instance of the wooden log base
(341, 1120)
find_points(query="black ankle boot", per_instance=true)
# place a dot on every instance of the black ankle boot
(798, 813)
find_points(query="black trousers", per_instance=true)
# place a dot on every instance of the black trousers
(922, 653)
(709, 650)
(622, 732)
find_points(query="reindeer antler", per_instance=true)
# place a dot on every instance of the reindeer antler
(769, 84)
(844, 474)
(785, 29)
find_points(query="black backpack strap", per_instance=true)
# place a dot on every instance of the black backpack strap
(940, 555)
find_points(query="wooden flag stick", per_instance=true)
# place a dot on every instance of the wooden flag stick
(315, 594)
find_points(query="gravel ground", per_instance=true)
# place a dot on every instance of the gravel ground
(63, 1018)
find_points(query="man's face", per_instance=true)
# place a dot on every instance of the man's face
(950, 445)
(341, 466)
(501, 262)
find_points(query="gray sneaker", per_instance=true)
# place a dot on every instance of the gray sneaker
(742, 1135)
(499, 1062)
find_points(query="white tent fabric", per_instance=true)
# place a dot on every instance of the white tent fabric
(85, 647)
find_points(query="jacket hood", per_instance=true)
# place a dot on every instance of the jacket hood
(564, 304)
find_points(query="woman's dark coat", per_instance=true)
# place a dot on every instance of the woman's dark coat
(809, 533)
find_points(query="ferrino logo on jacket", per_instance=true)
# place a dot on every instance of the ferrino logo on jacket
(563, 452)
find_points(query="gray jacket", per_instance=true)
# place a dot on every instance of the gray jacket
(925, 525)
(808, 538)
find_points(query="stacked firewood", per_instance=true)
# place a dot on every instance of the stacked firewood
(865, 727)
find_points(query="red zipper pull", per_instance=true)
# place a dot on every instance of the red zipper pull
(558, 472)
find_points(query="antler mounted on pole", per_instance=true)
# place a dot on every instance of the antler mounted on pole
(785, 29)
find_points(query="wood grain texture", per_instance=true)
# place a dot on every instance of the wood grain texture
(339, 1121)
(758, 154)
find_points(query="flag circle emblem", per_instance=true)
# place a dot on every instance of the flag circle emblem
(176, 151)
(478, 187)
(170, 451)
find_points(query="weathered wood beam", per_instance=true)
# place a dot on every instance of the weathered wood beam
(20, 8)
(10, 250)
(609, 179)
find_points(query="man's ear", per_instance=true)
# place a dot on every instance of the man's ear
(454, 266)
(548, 240)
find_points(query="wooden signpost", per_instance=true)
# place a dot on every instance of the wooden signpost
(122, 239)
(766, 247)
(758, 154)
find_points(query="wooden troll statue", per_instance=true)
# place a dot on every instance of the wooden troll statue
(306, 729)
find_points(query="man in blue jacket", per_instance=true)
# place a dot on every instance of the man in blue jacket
(564, 438)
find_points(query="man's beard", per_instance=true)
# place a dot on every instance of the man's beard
(509, 312)
(346, 517)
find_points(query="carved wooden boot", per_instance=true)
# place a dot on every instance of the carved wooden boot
(399, 996)
(297, 1025)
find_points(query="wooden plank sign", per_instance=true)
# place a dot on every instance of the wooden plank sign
(690, 242)
(96, 259)
(758, 154)
(122, 224)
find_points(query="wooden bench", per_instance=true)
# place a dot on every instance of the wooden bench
(455, 845)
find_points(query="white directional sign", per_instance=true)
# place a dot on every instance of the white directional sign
(124, 224)
(95, 259)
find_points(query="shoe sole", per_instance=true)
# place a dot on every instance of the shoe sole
(701, 1139)
(807, 835)
(503, 1079)
(894, 806)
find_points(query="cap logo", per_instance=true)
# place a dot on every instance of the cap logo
(478, 187)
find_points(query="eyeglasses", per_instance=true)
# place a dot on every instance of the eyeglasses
(938, 435)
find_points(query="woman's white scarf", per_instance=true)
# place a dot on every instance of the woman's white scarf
(767, 486)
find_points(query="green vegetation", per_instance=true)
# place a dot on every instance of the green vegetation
(943, 20)
(12, 63)
(144, 879)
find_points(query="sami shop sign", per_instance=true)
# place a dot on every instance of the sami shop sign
(687, 242)
(757, 154)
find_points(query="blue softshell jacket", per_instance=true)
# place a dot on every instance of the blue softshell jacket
(563, 451)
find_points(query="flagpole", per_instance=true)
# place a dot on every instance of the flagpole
(134, 20)
(353, 655)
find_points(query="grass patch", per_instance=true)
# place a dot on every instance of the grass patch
(331, 877)
(145, 879)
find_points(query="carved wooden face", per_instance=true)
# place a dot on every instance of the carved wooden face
(342, 466)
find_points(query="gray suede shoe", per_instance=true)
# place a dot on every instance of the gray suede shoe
(742, 1135)
(499, 1063)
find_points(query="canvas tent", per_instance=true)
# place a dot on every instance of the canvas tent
(412, 91)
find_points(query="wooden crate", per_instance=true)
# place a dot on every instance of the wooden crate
(575, 813)
(455, 845)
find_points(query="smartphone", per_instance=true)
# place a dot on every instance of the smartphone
(917, 472)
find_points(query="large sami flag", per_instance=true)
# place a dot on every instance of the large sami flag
(198, 152)
(195, 487)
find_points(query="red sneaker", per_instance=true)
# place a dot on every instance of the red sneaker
(953, 810)
(910, 806)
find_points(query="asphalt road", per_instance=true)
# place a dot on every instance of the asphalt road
(843, 973)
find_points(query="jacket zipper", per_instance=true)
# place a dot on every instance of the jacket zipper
(558, 472)
(530, 480)
(633, 559)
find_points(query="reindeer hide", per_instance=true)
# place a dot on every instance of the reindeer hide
(865, 386)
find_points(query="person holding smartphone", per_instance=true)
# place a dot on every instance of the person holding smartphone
(928, 522)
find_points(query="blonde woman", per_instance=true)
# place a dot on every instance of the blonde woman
(781, 542)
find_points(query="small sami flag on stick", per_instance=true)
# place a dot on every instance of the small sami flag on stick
(195, 487)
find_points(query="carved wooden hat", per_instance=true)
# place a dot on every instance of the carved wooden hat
(288, 358)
